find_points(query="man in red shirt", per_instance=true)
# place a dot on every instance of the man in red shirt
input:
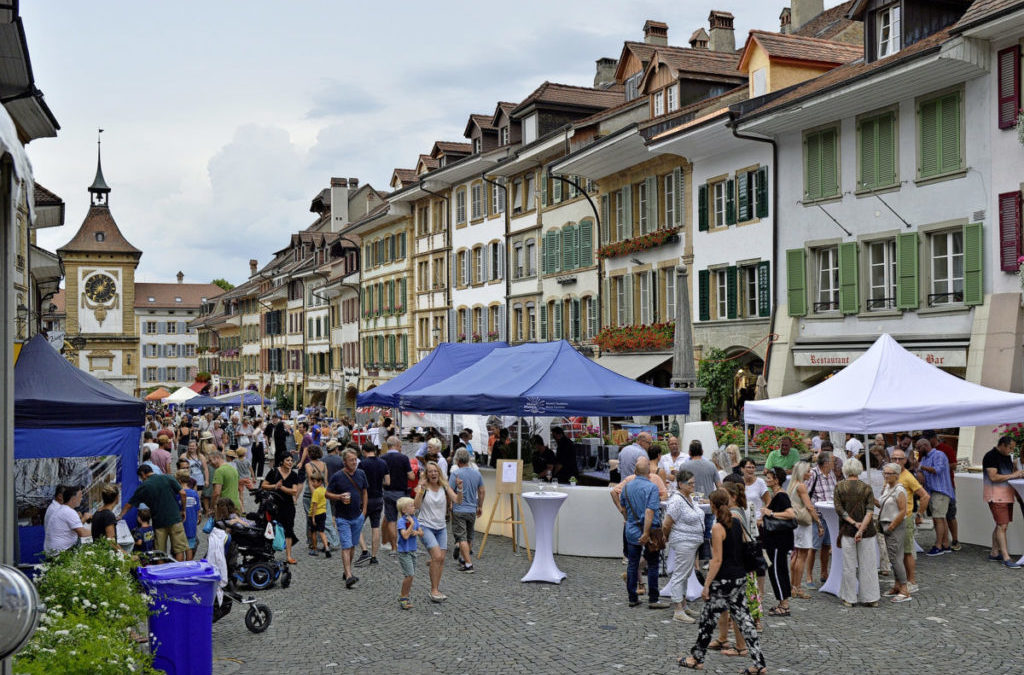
(950, 454)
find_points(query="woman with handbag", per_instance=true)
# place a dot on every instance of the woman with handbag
(724, 588)
(807, 523)
(778, 522)
(285, 481)
(684, 523)
(854, 504)
(892, 511)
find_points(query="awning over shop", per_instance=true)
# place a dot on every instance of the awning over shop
(632, 365)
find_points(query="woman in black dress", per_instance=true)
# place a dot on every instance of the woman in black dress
(286, 482)
(779, 543)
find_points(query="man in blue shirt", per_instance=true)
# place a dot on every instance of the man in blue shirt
(347, 489)
(629, 455)
(640, 505)
(934, 473)
(466, 480)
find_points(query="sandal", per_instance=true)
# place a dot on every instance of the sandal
(293, 561)
(801, 593)
(779, 610)
(732, 651)
(690, 662)
(753, 670)
(717, 645)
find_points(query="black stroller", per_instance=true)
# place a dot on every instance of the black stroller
(251, 556)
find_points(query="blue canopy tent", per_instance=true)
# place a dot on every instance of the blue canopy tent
(205, 402)
(446, 359)
(242, 398)
(547, 378)
(69, 428)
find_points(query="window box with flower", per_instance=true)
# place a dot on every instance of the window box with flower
(462, 337)
(644, 338)
(492, 335)
(476, 337)
(650, 240)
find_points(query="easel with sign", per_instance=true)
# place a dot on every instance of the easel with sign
(508, 481)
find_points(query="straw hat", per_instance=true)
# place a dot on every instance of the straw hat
(206, 436)
(333, 443)
(229, 453)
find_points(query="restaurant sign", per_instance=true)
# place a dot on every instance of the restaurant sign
(944, 358)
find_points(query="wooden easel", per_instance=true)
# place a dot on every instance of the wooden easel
(512, 488)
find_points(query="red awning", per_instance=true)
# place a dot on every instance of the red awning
(198, 387)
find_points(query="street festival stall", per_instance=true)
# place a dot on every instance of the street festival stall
(69, 429)
(544, 379)
(180, 396)
(889, 389)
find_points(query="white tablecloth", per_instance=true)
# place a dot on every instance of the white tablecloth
(1018, 485)
(544, 506)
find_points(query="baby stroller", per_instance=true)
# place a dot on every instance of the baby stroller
(258, 616)
(251, 556)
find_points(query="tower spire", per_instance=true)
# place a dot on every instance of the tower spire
(99, 188)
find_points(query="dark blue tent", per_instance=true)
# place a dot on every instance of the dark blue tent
(246, 398)
(447, 359)
(205, 402)
(548, 378)
(69, 428)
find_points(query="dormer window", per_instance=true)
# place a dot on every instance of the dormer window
(177, 299)
(633, 86)
(888, 30)
(672, 97)
(100, 236)
(504, 135)
(152, 299)
(659, 103)
(476, 146)
(443, 160)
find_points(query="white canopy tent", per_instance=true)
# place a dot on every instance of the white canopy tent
(888, 389)
(180, 396)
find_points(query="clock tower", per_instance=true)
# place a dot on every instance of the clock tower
(99, 273)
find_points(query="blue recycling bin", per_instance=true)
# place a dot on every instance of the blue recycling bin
(181, 628)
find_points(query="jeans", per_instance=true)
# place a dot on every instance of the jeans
(633, 552)
(705, 549)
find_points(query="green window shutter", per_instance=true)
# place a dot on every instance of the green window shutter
(567, 248)
(652, 203)
(764, 288)
(702, 208)
(730, 202)
(391, 295)
(928, 136)
(556, 251)
(627, 280)
(605, 216)
(586, 243)
(886, 154)
(730, 292)
(974, 247)
(543, 322)
(949, 133)
(627, 212)
(762, 193)
(868, 149)
(403, 293)
(704, 295)
(544, 188)
(546, 253)
(812, 167)
(606, 302)
(743, 196)
(556, 189)
(796, 281)
(906, 271)
(829, 163)
(849, 301)
(677, 177)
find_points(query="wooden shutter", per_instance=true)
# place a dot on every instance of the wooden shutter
(730, 292)
(605, 215)
(468, 324)
(1008, 83)
(677, 178)
(652, 204)
(906, 271)
(586, 247)
(703, 295)
(1009, 231)
(886, 150)
(485, 262)
(556, 251)
(574, 326)
(868, 150)
(796, 281)
(829, 163)
(764, 288)
(627, 212)
(544, 252)
(452, 328)
(567, 248)
(501, 259)
(403, 293)
(557, 322)
(762, 192)
(544, 187)
(467, 267)
(928, 125)
(730, 202)
(702, 208)
(849, 301)
(543, 309)
(949, 130)
(627, 280)
(556, 189)
(743, 196)
(974, 255)
(501, 323)
(812, 167)
(606, 302)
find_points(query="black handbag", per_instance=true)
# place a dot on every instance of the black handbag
(773, 525)
(754, 558)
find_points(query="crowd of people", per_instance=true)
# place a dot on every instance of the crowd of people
(755, 527)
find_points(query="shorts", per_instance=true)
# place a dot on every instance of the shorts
(462, 526)
(951, 513)
(435, 537)
(908, 536)
(823, 540)
(1002, 513)
(391, 498)
(803, 537)
(938, 505)
(349, 530)
(320, 522)
(374, 507)
(207, 491)
(176, 533)
(407, 560)
(192, 543)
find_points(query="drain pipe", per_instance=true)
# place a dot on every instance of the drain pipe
(505, 272)
(775, 231)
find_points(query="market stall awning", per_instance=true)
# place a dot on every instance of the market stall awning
(632, 365)
(158, 395)
(198, 387)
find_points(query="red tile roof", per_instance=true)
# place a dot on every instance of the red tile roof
(451, 147)
(406, 176)
(164, 295)
(429, 162)
(701, 61)
(983, 10)
(829, 23)
(587, 97)
(98, 220)
(483, 121)
(46, 198)
(801, 48)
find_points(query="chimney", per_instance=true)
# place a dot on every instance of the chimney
(253, 266)
(785, 20)
(699, 39)
(655, 33)
(803, 11)
(604, 77)
(181, 276)
(339, 201)
(723, 39)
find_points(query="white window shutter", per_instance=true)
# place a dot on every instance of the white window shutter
(677, 173)
(452, 334)
(627, 212)
(468, 327)
(501, 323)
(652, 203)
(501, 261)
(628, 281)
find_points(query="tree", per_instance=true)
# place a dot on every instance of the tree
(223, 283)
(715, 373)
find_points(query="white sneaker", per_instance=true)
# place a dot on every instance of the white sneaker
(912, 588)
(683, 617)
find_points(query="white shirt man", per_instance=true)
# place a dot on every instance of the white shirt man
(853, 446)
(62, 526)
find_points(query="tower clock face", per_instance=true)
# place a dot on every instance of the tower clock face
(100, 288)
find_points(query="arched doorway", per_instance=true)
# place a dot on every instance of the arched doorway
(748, 366)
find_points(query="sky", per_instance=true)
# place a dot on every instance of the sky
(224, 119)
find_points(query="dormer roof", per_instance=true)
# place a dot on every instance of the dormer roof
(484, 122)
(799, 49)
(401, 178)
(553, 93)
(451, 149)
(701, 64)
(503, 107)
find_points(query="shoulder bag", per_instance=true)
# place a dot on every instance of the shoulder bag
(656, 535)
(803, 515)
(754, 558)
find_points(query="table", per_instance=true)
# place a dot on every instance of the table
(1018, 485)
(544, 506)
(827, 510)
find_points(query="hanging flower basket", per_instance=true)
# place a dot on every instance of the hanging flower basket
(646, 338)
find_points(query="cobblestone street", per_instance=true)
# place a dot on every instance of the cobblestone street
(964, 620)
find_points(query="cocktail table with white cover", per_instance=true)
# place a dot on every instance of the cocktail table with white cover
(544, 506)
(835, 570)
(1018, 485)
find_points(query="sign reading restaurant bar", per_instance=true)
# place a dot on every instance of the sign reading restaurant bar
(943, 358)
